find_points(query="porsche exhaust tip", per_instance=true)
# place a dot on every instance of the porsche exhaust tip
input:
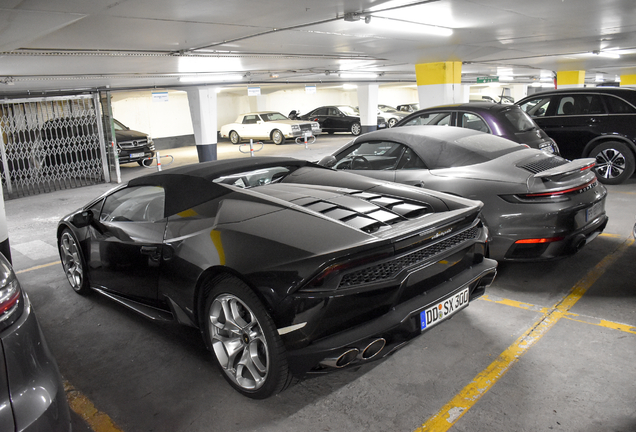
(373, 349)
(342, 360)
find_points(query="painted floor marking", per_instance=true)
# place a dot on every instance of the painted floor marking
(37, 267)
(36, 249)
(628, 328)
(450, 413)
(98, 421)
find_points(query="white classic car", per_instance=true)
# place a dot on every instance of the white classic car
(268, 125)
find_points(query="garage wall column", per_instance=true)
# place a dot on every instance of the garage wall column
(570, 79)
(628, 80)
(368, 105)
(202, 101)
(439, 83)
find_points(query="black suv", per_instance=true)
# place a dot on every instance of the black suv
(590, 122)
(132, 146)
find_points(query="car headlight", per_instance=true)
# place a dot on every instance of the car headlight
(295, 127)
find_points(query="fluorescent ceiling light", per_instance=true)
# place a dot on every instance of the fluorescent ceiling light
(210, 78)
(409, 26)
(349, 86)
(606, 54)
(357, 75)
(506, 78)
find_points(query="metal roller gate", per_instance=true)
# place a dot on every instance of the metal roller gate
(50, 144)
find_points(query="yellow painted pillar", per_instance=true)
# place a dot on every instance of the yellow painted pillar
(628, 80)
(570, 79)
(439, 83)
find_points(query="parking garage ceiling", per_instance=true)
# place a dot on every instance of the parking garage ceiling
(48, 45)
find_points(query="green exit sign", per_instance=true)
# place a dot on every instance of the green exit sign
(482, 80)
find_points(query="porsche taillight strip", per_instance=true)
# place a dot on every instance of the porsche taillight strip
(539, 240)
(579, 189)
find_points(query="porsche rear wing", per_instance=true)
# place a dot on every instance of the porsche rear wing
(575, 166)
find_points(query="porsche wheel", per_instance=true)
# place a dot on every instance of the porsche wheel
(614, 162)
(244, 341)
(73, 262)
(234, 137)
(356, 129)
(392, 122)
(278, 137)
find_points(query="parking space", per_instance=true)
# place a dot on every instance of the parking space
(550, 347)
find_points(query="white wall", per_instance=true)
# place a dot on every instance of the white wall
(139, 111)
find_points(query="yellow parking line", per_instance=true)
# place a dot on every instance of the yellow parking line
(514, 303)
(37, 267)
(610, 235)
(445, 418)
(98, 421)
(628, 328)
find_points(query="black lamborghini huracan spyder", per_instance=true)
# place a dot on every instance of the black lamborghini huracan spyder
(286, 267)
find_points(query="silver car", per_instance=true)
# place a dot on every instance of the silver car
(538, 206)
(32, 396)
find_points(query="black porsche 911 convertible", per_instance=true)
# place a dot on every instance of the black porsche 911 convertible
(286, 267)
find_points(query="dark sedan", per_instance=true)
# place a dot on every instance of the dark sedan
(340, 118)
(507, 121)
(32, 396)
(286, 267)
(538, 206)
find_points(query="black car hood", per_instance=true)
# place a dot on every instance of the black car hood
(128, 135)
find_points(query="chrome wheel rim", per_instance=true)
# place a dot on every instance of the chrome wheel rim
(71, 261)
(234, 137)
(277, 137)
(355, 129)
(392, 122)
(610, 163)
(238, 342)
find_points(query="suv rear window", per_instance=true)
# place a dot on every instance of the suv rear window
(619, 106)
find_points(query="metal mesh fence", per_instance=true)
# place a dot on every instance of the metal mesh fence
(50, 144)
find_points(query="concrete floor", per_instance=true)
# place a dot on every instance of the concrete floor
(533, 365)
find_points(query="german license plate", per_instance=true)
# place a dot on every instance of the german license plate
(444, 309)
(136, 155)
(593, 212)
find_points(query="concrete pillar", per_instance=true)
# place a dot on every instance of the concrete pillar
(202, 101)
(4, 231)
(628, 80)
(570, 79)
(439, 83)
(368, 105)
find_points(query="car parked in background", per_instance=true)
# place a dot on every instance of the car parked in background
(339, 118)
(506, 121)
(267, 125)
(390, 114)
(132, 145)
(286, 267)
(590, 122)
(537, 206)
(32, 396)
(408, 107)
